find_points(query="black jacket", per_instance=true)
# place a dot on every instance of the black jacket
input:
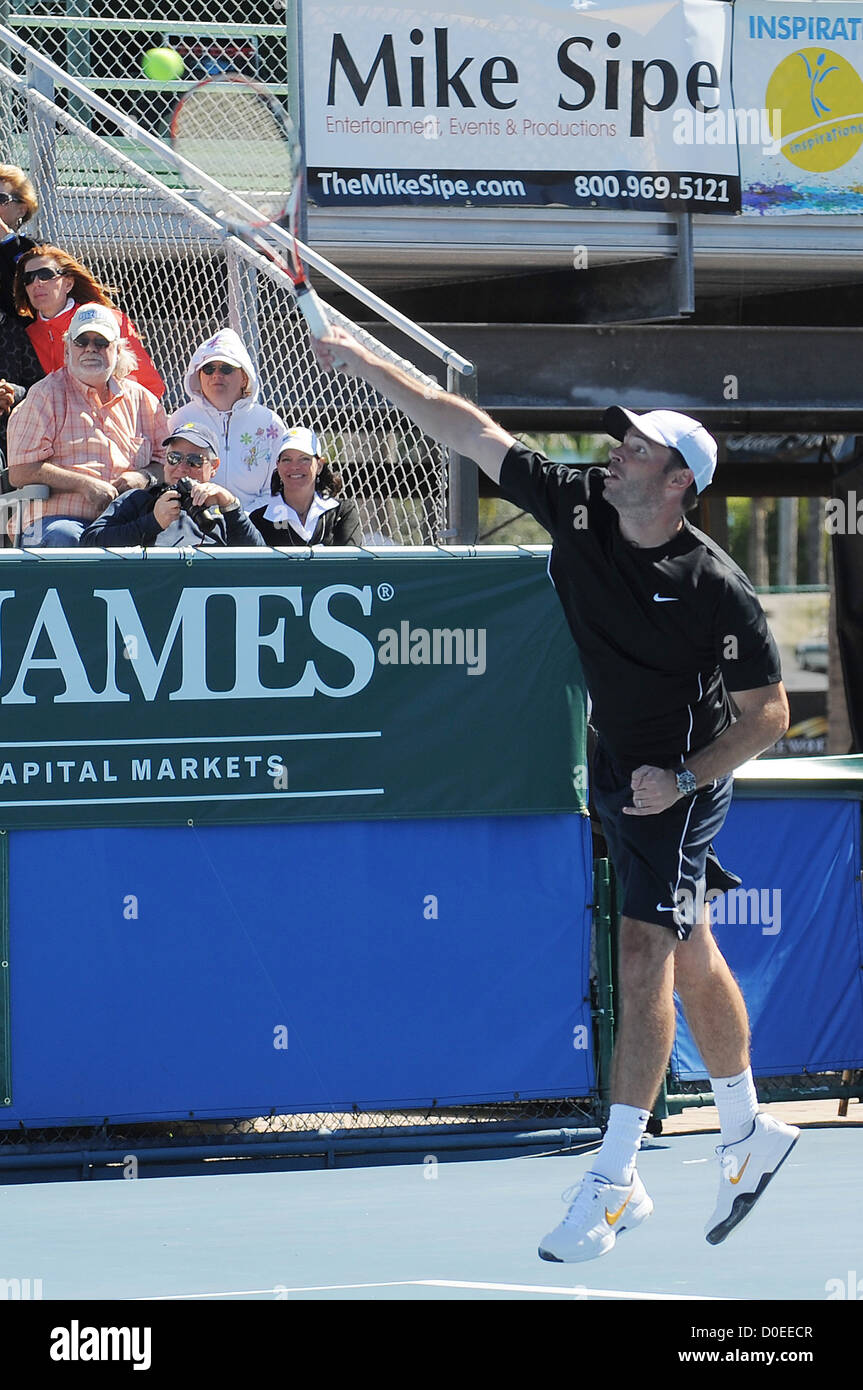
(338, 526)
(10, 250)
(129, 520)
(19, 364)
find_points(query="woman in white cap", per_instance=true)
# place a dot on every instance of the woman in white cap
(222, 386)
(50, 285)
(305, 508)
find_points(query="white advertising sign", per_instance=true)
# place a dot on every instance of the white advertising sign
(510, 102)
(801, 65)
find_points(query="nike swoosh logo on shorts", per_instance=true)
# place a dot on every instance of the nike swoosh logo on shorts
(658, 598)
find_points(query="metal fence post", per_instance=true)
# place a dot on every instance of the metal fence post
(294, 65)
(78, 54)
(462, 474)
(243, 298)
(42, 142)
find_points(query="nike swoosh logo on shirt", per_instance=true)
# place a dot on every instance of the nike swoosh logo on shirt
(658, 598)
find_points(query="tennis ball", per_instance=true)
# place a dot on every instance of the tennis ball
(162, 65)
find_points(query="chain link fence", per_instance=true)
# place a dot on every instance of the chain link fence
(180, 278)
(306, 1140)
(104, 45)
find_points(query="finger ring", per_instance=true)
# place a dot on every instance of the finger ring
(638, 804)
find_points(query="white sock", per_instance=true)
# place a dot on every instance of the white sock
(616, 1158)
(737, 1104)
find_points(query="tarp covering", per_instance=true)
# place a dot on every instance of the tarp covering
(235, 971)
(796, 941)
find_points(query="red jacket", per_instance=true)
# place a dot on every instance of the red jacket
(46, 335)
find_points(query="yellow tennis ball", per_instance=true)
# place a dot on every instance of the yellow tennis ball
(162, 65)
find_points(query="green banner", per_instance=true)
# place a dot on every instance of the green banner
(202, 689)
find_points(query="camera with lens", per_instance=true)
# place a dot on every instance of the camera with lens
(184, 487)
(205, 518)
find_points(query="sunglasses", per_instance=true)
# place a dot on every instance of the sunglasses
(89, 341)
(9, 198)
(193, 460)
(222, 368)
(43, 273)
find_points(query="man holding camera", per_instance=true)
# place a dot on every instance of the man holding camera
(187, 509)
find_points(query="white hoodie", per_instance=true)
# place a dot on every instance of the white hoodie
(249, 434)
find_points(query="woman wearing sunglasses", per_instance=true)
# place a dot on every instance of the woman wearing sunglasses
(222, 386)
(49, 286)
(17, 205)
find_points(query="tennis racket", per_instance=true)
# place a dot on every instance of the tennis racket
(236, 132)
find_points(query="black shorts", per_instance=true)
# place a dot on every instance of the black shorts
(664, 864)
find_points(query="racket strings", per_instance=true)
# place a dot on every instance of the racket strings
(231, 133)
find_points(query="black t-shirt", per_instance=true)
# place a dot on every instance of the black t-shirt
(664, 634)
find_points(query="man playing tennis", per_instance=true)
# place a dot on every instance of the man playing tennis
(685, 686)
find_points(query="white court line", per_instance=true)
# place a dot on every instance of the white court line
(578, 1291)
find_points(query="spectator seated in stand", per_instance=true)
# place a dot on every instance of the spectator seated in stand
(50, 285)
(19, 367)
(305, 508)
(17, 205)
(222, 386)
(187, 509)
(87, 431)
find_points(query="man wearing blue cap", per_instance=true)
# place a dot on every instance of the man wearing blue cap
(187, 509)
(685, 686)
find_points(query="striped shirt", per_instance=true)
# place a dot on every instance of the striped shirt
(63, 422)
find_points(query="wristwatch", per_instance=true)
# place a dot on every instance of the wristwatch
(686, 781)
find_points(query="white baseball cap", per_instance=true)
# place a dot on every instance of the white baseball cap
(96, 317)
(680, 432)
(303, 440)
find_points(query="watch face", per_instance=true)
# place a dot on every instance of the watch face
(685, 781)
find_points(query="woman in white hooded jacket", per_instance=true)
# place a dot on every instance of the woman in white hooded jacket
(222, 386)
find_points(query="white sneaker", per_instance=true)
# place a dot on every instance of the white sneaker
(600, 1213)
(745, 1170)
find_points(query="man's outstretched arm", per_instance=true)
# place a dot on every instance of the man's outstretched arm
(457, 423)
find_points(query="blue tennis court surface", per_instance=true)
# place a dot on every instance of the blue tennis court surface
(437, 1230)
